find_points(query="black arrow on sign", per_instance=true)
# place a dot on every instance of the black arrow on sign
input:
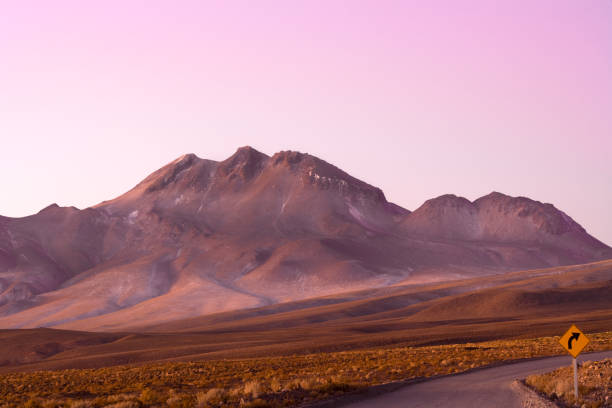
(573, 337)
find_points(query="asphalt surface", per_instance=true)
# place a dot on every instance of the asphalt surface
(489, 387)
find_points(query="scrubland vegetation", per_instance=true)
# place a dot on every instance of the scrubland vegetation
(262, 382)
(594, 385)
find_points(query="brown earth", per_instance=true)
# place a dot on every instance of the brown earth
(594, 379)
(531, 303)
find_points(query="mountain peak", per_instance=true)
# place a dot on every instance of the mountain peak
(246, 153)
(326, 176)
(49, 207)
(496, 195)
(447, 216)
(543, 217)
(290, 158)
(247, 148)
(495, 216)
(504, 201)
(186, 157)
(244, 164)
(169, 173)
(448, 200)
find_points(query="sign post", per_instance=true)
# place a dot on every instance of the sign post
(574, 341)
(575, 378)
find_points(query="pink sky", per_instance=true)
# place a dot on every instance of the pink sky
(418, 98)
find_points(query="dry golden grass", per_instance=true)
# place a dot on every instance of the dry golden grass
(263, 382)
(594, 384)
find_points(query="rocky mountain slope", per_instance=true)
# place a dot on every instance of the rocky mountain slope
(199, 236)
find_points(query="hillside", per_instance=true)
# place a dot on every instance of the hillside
(533, 303)
(198, 237)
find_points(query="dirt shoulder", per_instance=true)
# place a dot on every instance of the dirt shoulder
(594, 385)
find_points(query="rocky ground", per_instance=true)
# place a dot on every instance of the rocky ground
(594, 382)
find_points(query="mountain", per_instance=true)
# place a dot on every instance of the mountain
(498, 218)
(199, 236)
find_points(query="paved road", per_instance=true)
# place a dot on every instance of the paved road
(490, 387)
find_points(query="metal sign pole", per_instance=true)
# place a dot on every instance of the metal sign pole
(574, 341)
(575, 378)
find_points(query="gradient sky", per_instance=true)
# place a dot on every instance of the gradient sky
(419, 98)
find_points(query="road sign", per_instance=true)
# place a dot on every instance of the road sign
(574, 341)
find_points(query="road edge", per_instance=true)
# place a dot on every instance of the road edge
(376, 390)
(529, 397)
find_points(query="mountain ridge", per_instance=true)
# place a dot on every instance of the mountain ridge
(201, 236)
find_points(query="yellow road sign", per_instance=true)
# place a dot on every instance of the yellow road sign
(574, 341)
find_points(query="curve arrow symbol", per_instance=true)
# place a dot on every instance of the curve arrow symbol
(573, 337)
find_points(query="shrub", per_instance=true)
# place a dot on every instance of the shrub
(149, 396)
(33, 403)
(124, 404)
(180, 401)
(81, 404)
(307, 383)
(254, 388)
(275, 385)
(214, 395)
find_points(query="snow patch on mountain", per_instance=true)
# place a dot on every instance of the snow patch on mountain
(132, 217)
